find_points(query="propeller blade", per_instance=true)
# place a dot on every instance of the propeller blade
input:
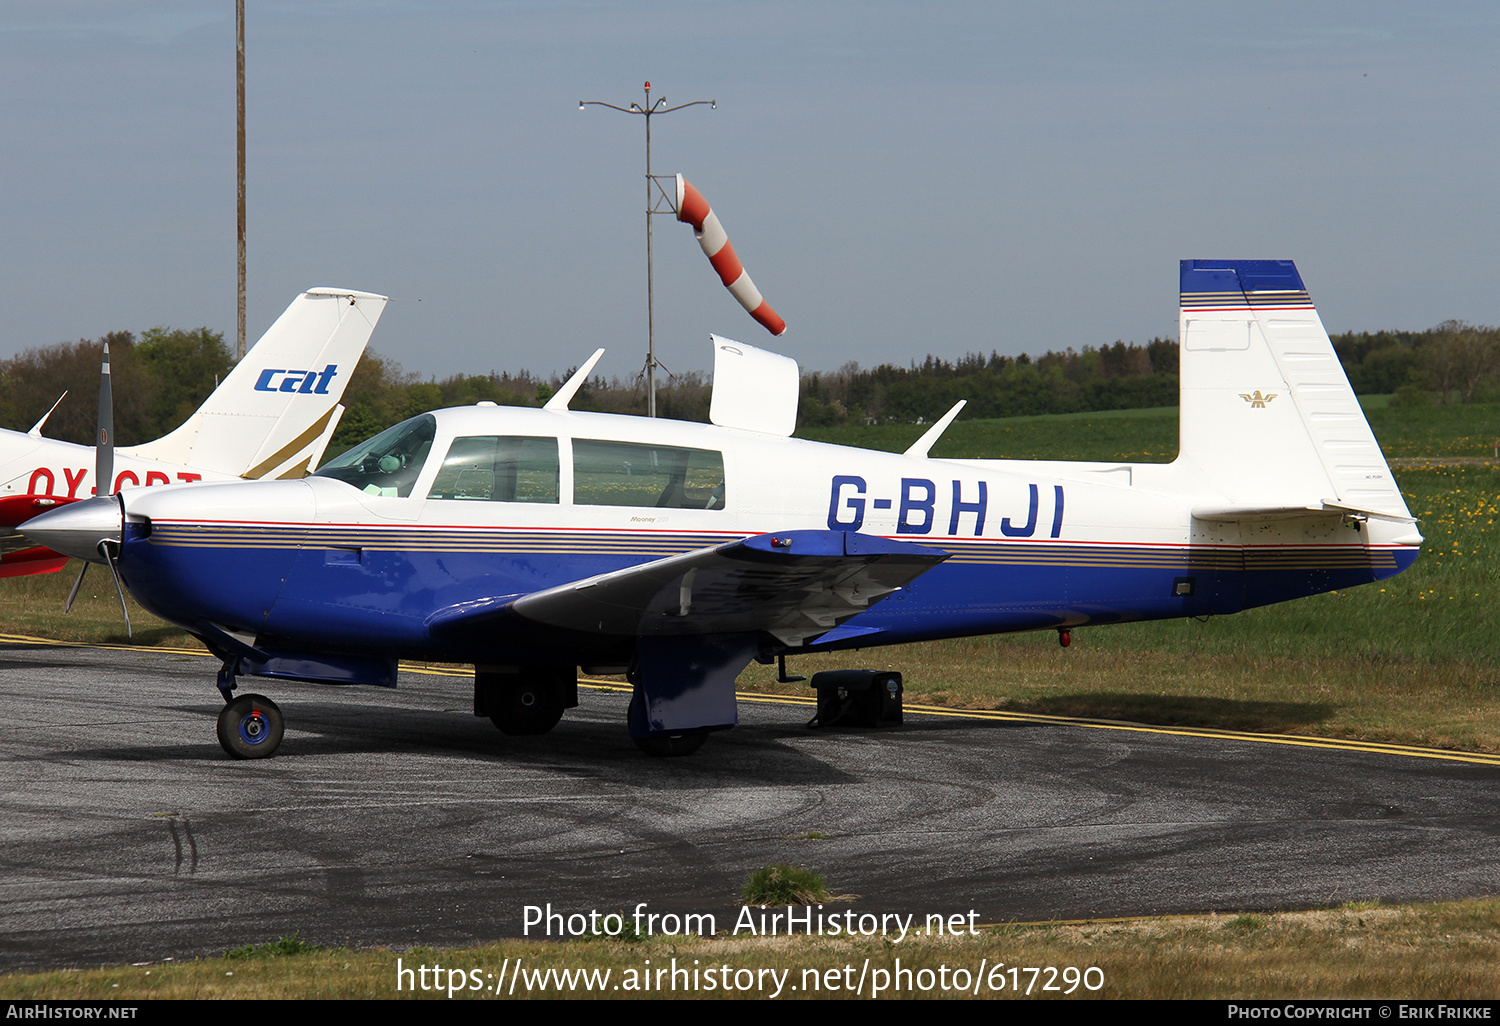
(108, 553)
(78, 583)
(104, 441)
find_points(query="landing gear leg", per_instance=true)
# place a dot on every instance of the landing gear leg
(227, 682)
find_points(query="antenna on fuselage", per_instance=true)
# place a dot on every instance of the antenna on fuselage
(559, 401)
(36, 429)
(929, 438)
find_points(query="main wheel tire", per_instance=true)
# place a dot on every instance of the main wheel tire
(662, 746)
(666, 746)
(528, 709)
(250, 727)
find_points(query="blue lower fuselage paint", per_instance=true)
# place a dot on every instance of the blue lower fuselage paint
(377, 598)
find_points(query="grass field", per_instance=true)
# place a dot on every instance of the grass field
(1150, 436)
(1355, 951)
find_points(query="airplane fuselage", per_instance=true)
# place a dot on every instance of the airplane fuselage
(48, 468)
(534, 542)
(321, 565)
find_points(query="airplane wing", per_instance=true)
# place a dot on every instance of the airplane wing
(794, 585)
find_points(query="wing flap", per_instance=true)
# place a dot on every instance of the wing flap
(793, 584)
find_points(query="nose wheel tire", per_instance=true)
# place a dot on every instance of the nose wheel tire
(250, 727)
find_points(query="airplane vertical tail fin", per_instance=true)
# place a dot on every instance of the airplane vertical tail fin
(272, 416)
(1268, 415)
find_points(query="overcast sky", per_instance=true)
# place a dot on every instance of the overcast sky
(899, 178)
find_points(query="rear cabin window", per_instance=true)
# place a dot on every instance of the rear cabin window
(498, 468)
(633, 474)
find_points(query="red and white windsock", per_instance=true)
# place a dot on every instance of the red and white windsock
(693, 209)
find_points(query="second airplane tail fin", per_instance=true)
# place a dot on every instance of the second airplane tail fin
(1268, 416)
(273, 415)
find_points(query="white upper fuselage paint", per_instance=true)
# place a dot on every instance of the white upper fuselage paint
(773, 483)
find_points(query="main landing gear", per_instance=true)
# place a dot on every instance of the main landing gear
(250, 727)
(527, 701)
(527, 709)
(663, 745)
(669, 745)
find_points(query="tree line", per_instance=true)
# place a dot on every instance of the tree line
(163, 374)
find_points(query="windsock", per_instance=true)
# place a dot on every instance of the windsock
(693, 209)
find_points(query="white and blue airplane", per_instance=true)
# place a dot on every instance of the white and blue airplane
(533, 542)
(271, 417)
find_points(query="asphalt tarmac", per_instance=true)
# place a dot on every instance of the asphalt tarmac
(396, 818)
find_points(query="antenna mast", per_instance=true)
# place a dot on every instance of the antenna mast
(658, 201)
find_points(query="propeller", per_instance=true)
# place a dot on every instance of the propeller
(94, 528)
(104, 441)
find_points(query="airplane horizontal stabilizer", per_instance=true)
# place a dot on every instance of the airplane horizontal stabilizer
(753, 389)
(1230, 514)
(793, 585)
(35, 560)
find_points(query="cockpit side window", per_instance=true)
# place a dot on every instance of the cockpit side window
(389, 463)
(498, 468)
(638, 474)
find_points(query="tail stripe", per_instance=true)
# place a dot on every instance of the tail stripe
(1278, 300)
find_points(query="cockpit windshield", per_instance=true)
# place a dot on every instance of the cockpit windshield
(389, 463)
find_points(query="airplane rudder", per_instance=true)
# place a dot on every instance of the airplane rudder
(1239, 417)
